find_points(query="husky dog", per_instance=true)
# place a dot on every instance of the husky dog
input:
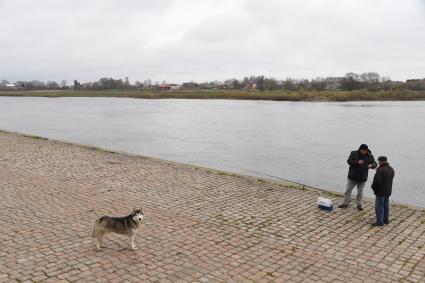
(126, 225)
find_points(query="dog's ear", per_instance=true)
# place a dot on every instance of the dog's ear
(134, 211)
(141, 210)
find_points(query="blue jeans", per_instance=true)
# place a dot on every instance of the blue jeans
(382, 209)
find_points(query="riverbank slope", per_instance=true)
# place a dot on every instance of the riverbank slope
(200, 224)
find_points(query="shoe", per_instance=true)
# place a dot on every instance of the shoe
(374, 224)
(359, 208)
(387, 222)
(343, 205)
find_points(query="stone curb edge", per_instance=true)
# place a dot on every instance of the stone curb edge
(287, 184)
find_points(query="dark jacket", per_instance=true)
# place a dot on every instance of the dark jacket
(383, 181)
(357, 172)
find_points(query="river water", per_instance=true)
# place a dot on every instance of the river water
(306, 142)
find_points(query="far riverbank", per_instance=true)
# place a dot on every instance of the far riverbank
(302, 95)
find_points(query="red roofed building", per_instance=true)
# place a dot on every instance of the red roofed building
(164, 86)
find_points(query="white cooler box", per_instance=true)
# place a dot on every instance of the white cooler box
(325, 203)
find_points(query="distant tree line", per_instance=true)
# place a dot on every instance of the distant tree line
(33, 85)
(351, 81)
(104, 83)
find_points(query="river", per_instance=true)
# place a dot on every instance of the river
(306, 142)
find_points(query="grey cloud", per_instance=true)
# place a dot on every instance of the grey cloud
(181, 40)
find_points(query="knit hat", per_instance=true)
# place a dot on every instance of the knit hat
(382, 158)
(364, 146)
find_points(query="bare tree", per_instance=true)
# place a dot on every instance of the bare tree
(147, 83)
(260, 83)
(77, 85)
(289, 84)
(318, 84)
(270, 84)
(52, 85)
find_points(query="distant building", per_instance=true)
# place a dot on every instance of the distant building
(7, 86)
(333, 82)
(217, 85)
(251, 86)
(211, 85)
(164, 86)
(190, 85)
(416, 84)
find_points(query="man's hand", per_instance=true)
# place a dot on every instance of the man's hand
(370, 166)
(361, 162)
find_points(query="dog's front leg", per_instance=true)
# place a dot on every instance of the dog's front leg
(99, 240)
(131, 240)
(98, 244)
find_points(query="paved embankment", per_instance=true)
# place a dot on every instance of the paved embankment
(200, 225)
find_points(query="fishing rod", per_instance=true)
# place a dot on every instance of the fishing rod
(283, 179)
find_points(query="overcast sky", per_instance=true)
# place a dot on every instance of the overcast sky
(204, 40)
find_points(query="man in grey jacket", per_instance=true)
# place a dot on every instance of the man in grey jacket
(360, 162)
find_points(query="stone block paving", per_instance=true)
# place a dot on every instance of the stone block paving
(200, 225)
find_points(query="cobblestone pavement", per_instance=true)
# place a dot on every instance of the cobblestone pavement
(200, 225)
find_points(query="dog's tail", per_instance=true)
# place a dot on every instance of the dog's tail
(98, 221)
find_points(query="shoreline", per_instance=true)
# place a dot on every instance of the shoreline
(302, 95)
(286, 183)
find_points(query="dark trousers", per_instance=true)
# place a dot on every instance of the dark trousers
(382, 209)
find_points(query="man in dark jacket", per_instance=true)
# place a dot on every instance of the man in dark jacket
(382, 187)
(360, 162)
